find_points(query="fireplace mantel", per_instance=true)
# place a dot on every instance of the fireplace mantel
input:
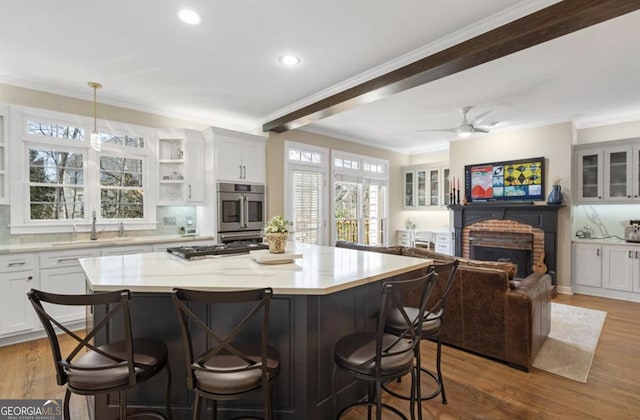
(544, 217)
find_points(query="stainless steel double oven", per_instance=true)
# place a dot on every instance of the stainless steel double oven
(240, 212)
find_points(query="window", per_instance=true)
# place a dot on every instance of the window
(121, 188)
(65, 177)
(56, 184)
(360, 198)
(305, 193)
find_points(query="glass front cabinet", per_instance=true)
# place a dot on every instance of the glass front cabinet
(609, 173)
(425, 186)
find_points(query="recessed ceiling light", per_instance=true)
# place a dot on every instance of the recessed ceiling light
(189, 16)
(289, 60)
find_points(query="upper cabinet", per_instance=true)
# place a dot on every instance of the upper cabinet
(609, 172)
(425, 186)
(4, 140)
(239, 157)
(181, 167)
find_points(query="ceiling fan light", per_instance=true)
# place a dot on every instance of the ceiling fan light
(464, 134)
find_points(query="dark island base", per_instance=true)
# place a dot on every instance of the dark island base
(304, 329)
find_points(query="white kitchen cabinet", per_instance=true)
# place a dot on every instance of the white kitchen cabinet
(619, 266)
(443, 243)
(587, 265)
(4, 140)
(404, 237)
(181, 167)
(239, 158)
(425, 186)
(60, 272)
(18, 276)
(607, 270)
(608, 173)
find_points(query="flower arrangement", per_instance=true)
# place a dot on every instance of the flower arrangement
(277, 224)
(277, 232)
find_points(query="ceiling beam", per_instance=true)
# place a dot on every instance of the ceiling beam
(544, 25)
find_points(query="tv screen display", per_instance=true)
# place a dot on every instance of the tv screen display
(513, 180)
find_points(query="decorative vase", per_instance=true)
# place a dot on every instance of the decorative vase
(277, 242)
(555, 196)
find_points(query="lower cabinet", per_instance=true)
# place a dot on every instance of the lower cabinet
(16, 313)
(607, 270)
(60, 272)
(587, 265)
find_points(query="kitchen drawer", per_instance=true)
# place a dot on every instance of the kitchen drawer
(442, 237)
(17, 262)
(443, 248)
(65, 258)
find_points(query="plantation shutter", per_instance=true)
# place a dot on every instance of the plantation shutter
(308, 205)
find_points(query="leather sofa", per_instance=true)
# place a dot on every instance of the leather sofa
(489, 312)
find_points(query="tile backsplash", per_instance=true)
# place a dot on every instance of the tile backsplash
(169, 222)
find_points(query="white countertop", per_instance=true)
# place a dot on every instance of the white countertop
(321, 270)
(100, 242)
(605, 241)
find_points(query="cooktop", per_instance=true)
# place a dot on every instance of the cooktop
(200, 251)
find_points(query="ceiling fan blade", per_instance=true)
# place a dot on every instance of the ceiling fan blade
(451, 130)
(480, 130)
(480, 117)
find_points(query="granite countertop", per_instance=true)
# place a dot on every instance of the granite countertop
(100, 242)
(319, 270)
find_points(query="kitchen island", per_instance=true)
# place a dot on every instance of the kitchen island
(326, 293)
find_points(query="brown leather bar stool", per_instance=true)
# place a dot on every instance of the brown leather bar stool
(431, 324)
(377, 356)
(113, 367)
(227, 368)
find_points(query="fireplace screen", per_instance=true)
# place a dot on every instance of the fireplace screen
(511, 247)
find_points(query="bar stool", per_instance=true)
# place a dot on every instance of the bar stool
(431, 325)
(229, 369)
(113, 367)
(377, 356)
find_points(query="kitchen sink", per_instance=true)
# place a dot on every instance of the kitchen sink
(101, 241)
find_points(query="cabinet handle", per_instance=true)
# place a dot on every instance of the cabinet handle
(244, 173)
(599, 198)
(60, 260)
(30, 278)
(240, 171)
(636, 255)
(598, 252)
(17, 263)
(189, 191)
(630, 254)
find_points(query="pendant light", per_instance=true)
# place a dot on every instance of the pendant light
(95, 135)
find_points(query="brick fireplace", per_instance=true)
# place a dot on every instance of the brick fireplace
(504, 240)
(505, 227)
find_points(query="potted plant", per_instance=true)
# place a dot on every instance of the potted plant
(277, 232)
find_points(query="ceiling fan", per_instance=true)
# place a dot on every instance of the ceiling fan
(468, 127)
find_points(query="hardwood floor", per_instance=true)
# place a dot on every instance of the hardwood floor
(477, 388)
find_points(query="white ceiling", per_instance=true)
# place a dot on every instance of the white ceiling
(225, 72)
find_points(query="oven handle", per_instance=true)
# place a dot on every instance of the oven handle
(246, 211)
(241, 204)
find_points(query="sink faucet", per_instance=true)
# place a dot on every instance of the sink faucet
(94, 233)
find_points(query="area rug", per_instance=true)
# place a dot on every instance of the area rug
(572, 341)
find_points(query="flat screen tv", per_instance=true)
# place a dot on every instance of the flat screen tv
(511, 180)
